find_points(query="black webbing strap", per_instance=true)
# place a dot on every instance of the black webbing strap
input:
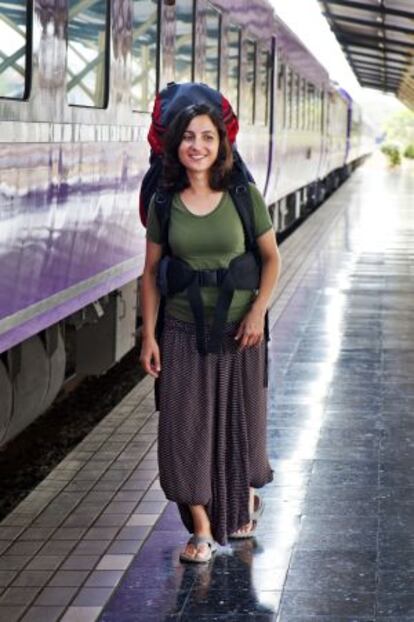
(158, 334)
(267, 339)
(197, 308)
(163, 203)
(223, 303)
(211, 278)
(240, 194)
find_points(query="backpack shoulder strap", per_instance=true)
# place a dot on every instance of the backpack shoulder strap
(240, 193)
(162, 203)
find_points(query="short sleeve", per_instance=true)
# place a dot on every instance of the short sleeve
(153, 225)
(262, 221)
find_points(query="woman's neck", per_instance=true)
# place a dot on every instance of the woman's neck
(199, 182)
(199, 198)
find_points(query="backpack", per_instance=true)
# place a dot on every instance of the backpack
(171, 100)
(174, 274)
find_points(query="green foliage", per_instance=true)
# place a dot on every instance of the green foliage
(409, 152)
(400, 127)
(393, 153)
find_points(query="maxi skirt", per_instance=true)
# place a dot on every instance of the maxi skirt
(212, 426)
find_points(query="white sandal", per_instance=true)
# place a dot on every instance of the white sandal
(256, 514)
(254, 517)
(244, 535)
(196, 541)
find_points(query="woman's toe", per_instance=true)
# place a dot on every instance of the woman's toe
(190, 551)
(203, 552)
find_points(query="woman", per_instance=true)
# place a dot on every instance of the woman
(212, 430)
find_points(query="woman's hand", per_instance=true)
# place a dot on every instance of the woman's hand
(251, 329)
(150, 356)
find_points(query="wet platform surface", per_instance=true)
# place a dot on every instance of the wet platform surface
(97, 540)
(336, 542)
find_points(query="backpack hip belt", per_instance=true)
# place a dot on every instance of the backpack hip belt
(176, 276)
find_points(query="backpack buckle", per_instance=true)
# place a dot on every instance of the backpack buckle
(240, 189)
(160, 198)
(211, 278)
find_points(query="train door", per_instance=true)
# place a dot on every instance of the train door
(278, 122)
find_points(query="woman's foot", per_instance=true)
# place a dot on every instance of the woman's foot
(199, 549)
(200, 546)
(248, 530)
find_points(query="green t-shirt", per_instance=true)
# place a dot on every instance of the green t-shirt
(207, 243)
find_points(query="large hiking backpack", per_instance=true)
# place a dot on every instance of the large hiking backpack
(175, 275)
(171, 100)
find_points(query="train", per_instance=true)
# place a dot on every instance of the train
(77, 84)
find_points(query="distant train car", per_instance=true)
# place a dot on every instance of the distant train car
(77, 82)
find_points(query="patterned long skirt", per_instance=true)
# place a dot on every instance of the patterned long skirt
(212, 427)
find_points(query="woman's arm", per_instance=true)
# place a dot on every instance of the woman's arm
(150, 354)
(251, 329)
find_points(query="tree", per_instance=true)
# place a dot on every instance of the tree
(400, 128)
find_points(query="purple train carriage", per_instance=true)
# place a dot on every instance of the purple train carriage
(77, 82)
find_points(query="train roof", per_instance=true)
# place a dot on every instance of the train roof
(377, 38)
(298, 55)
(259, 18)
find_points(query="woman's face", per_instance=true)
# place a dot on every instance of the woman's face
(200, 144)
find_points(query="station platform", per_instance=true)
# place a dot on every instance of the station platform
(96, 540)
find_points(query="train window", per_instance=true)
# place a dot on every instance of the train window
(289, 84)
(13, 32)
(212, 56)
(303, 103)
(318, 109)
(233, 66)
(311, 106)
(306, 105)
(87, 53)
(145, 54)
(184, 32)
(295, 102)
(263, 95)
(299, 102)
(250, 82)
(322, 110)
(281, 74)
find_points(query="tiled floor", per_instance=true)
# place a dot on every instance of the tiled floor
(336, 542)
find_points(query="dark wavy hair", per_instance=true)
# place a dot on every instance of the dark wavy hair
(174, 175)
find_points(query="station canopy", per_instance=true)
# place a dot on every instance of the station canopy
(377, 37)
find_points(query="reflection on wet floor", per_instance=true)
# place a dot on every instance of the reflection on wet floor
(336, 541)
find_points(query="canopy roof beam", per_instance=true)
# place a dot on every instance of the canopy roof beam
(377, 37)
(347, 35)
(364, 22)
(352, 4)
